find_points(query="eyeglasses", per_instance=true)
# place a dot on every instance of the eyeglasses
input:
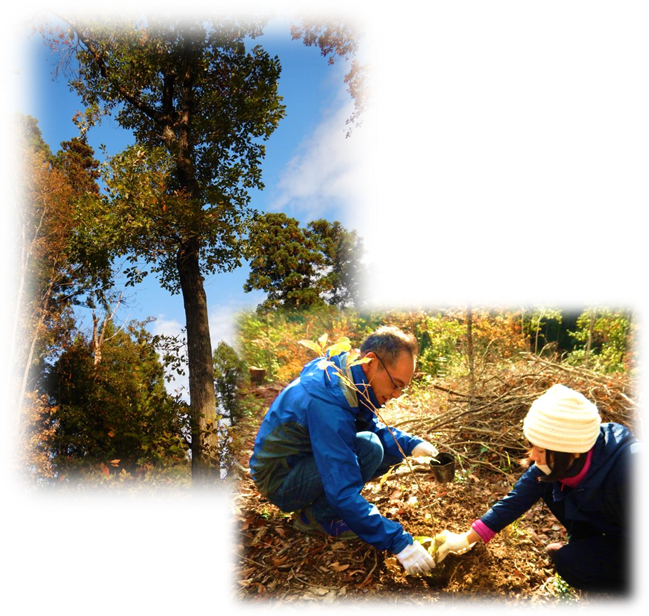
(401, 388)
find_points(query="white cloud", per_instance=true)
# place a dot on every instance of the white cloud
(222, 324)
(168, 327)
(325, 172)
(223, 319)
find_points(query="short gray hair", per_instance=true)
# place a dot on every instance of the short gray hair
(389, 342)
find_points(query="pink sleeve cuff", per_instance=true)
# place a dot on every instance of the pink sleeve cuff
(486, 534)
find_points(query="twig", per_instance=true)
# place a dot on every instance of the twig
(452, 392)
(369, 575)
(631, 402)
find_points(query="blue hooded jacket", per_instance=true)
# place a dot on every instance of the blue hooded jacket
(602, 499)
(319, 414)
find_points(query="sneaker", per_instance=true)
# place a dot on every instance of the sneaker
(338, 529)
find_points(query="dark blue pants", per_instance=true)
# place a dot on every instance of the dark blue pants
(590, 560)
(303, 486)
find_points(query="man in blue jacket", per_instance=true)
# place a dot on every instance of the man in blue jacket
(321, 442)
(583, 472)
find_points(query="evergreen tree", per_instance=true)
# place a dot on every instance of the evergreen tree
(343, 270)
(284, 263)
(229, 372)
(304, 268)
(112, 409)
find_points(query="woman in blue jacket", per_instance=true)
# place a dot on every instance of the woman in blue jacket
(582, 471)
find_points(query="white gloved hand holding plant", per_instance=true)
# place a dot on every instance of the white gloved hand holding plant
(416, 559)
(448, 542)
(424, 450)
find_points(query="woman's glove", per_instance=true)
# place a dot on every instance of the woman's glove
(416, 559)
(451, 542)
(424, 449)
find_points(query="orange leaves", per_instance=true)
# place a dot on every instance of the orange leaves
(38, 432)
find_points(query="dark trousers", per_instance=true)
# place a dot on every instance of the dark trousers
(303, 486)
(590, 560)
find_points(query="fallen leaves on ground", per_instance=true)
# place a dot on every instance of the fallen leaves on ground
(277, 563)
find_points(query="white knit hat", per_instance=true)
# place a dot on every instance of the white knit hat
(562, 420)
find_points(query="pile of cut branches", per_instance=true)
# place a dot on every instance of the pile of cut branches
(485, 428)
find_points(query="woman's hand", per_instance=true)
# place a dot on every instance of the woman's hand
(448, 542)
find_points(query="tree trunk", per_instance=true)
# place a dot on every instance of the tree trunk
(204, 425)
(14, 330)
(28, 365)
(537, 328)
(205, 450)
(589, 340)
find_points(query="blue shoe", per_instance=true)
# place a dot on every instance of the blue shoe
(338, 529)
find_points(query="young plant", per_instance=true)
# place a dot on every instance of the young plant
(563, 590)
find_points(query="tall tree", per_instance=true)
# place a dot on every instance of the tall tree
(200, 106)
(77, 160)
(53, 275)
(589, 337)
(229, 373)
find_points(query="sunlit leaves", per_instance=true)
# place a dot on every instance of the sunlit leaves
(314, 346)
(339, 40)
(190, 89)
(342, 346)
(38, 430)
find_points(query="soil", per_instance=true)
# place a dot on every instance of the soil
(277, 563)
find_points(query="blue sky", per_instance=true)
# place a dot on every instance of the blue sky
(310, 171)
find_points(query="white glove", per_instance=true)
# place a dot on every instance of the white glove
(451, 542)
(424, 449)
(416, 559)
